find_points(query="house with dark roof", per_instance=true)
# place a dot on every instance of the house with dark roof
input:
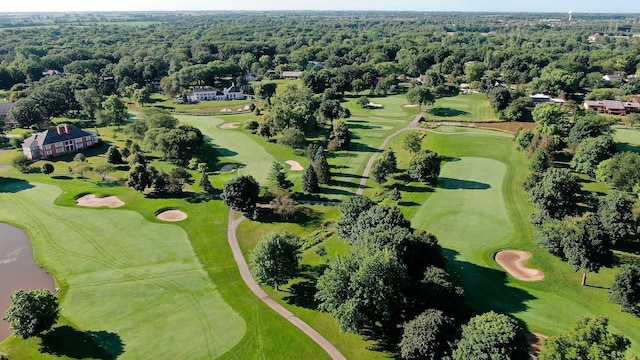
(63, 139)
(613, 107)
(5, 118)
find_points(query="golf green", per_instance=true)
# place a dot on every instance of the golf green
(136, 282)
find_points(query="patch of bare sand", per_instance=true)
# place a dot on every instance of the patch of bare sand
(513, 262)
(229, 125)
(294, 165)
(411, 106)
(375, 105)
(172, 215)
(91, 200)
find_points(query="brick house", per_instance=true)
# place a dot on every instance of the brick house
(612, 107)
(63, 139)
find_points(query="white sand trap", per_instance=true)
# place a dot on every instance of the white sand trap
(513, 262)
(294, 165)
(228, 168)
(229, 125)
(172, 215)
(91, 200)
(246, 107)
(374, 105)
(411, 106)
(226, 110)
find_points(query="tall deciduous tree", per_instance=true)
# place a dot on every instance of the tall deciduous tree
(492, 336)
(425, 166)
(591, 152)
(241, 193)
(589, 248)
(350, 210)
(625, 290)
(275, 259)
(431, 336)
(139, 177)
(32, 312)
(340, 135)
(615, 212)
(47, 168)
(114, 112)
(420, 95)
(385, 165)
(589, 338)
(556, 194)
(412, 142)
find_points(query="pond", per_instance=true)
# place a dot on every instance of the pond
(18, 270)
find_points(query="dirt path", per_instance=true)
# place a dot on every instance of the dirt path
(255, 288)
(413, 125)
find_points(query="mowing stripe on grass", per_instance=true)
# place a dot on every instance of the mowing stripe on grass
(124, 275)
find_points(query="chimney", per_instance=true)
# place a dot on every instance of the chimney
(58, 130)
(66, 128)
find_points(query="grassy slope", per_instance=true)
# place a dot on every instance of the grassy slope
(471, 108)
(627, 139)
(176, 294)
(549, 306)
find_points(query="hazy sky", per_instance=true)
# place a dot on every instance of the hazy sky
(596, 6)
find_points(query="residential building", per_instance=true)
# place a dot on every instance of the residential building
(609, 78)
(63, 139)
(543, 98)
(595, 37)
(613, 107)
(291, 75)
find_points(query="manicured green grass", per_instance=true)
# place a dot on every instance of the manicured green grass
(482, 209)
(462, 108)
(627, 139)
(393, 108)
(163, 290)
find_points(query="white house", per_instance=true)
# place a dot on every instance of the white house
(612, 78)
(231, 93)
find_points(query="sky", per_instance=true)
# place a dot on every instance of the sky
(591, 6)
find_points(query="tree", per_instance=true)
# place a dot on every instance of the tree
(141, 96)
(26, 112)
(587, 339)
(81, 165)
(47, 168)
(265, 90)
(590, 126)
(275, 259)
(139, 178)
(104, 169)
(524, 138)
(204, 183)
(363, 101)
(310, 180)
(625, 290)
(556, 194)
(321, 166)
(282, 205)
(591, 152)
(90, 100)
(350, 210)
(113, 155)
(384, 165)
(178, 178)
(499, 97)
(551, 235)
(425, 166)
(340, 136)
(420, 95)
(551, 119)
(539, 161)
(32, 312)
(622, 171)
(395, 194)
(492, 336)
(293, 138)
(241, 193)
(589, 248)
(278, 177)
(177, 145)
(21, 162)
(431, 335)
(412, 142)
(113, 112)
(378, 215)
(615, 212)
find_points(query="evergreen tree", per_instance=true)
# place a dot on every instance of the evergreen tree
(278, 177)
(204, 183)
(321, 166)
(310, 180)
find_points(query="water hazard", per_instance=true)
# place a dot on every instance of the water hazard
(18, 270)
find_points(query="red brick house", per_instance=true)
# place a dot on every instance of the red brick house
(613, 107)
(63, 139)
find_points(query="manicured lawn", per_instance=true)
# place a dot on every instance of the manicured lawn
(482, 209)
(393, 107)
(462, 108)
(161, 290)
(627, 139)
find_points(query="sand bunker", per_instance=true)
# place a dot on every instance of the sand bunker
(91, 200)
(411, 106)
(228, 168)
(513, 262)
(294, 165)
(374, 105)
(226, 110)
(229, 125)
(172, 215)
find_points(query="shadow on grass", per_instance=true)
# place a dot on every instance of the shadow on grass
(365, 127)
(305, 216)
(107, 183)
(457, 184)
(360, 147)
(62, 177)
(346, 175)
(447, 112)
(334, 191)
(627, 147)
(76, 344)
(408, 203)
(11, 185)
(344, 184)
(485, 288)
(303, 293)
